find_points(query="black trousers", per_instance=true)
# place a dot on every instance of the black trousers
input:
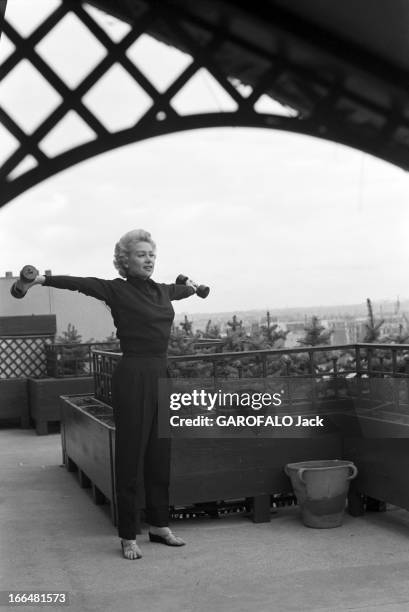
(142, 460)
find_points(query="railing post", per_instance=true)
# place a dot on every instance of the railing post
(335, 367)
(369, 359)
(370, 377)
(76, 360)
(312, 372)
(95, 372)
(358, 369)
(51, 360)
(358, 364)
(394, 361)
(109, 380)
(395, 379)
(311, 356)
(407, 375)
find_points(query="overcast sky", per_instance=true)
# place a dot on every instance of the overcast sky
(264, 217)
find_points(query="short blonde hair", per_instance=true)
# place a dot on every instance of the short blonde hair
(124, 246)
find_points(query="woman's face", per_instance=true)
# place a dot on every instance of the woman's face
(141, 260)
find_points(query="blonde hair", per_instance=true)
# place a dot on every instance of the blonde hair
(124, 246)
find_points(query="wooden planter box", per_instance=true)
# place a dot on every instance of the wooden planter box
(87, 445)
(382, 462)
(44, 396)
(14, 401)
(202, 470)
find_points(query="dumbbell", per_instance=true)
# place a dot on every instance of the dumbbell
(27, 275)
(201, 290)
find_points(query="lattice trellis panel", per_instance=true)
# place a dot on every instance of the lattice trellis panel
(23, 357)
(316, 102)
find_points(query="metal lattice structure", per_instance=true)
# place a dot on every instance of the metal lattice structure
(103, 364)
(23, 357)
(160, 118)
(320, 103)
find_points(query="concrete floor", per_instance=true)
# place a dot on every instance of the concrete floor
(52, 538)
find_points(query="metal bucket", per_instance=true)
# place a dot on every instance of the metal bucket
(321, 488)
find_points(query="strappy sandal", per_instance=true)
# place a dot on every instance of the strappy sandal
(131, 550)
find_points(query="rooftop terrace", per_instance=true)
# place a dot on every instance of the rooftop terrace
(54, 538)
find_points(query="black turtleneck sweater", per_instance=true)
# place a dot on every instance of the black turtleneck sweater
(141, 309)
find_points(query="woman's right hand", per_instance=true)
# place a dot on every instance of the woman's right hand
(29, 276)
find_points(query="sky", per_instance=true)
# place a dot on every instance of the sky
(265, 218)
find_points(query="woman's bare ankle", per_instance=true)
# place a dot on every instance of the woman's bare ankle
(125, 541)
(159, 530)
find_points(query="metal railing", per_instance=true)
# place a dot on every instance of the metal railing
(73, 359)
(63, 360)
(363, 361)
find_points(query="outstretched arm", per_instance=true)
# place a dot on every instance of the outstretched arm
(179, 292)
(95, 287)
(184, 287)
(98, 288)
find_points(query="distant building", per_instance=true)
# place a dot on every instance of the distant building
(346, 331)
(395, 325)
(91, 317)
(339, 332)
(255, 329)
(296, 331)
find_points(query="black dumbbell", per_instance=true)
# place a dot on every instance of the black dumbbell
(201, 290)
(27, 275)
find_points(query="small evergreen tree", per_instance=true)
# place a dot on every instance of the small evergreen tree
(373, 329)
(212, 330)
(271, 335)
(71, 359)
(187, 326)
(315, 334)
(235, 340)
(235, 324)
(182, 344)
(69, 336)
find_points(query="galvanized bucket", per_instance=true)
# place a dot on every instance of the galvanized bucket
(321, 488)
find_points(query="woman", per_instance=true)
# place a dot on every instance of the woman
(143, 315)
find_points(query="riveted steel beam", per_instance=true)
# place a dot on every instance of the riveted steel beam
(323, 103)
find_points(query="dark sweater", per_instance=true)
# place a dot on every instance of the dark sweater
(141, 309)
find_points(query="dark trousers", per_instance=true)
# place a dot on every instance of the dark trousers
(142, 460)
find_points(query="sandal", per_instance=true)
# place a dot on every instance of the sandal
(170, 539)
(130, 549)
